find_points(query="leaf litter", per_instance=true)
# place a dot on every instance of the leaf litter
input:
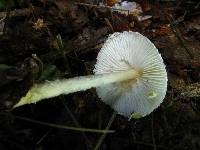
(30, 52)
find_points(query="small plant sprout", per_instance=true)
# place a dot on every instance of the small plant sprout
(130, 76)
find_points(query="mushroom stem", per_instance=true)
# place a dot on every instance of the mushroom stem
(66, 86)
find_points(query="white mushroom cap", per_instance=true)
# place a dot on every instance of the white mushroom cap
(131, 50)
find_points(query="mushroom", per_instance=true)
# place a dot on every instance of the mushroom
(131, 50)
(130, 76)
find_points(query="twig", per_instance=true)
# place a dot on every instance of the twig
(63, 51)
(60, 126)
(197, 6)
(110, 25)
(41, 65)
(179, 20)
(107, 128)
(77, 124)
(178, 35)
(43, 137)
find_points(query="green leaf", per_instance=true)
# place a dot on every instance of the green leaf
(5, 67)
(135, 115)
(50, 72)
(2, 4)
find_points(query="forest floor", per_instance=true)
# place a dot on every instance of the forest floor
(47, 40)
